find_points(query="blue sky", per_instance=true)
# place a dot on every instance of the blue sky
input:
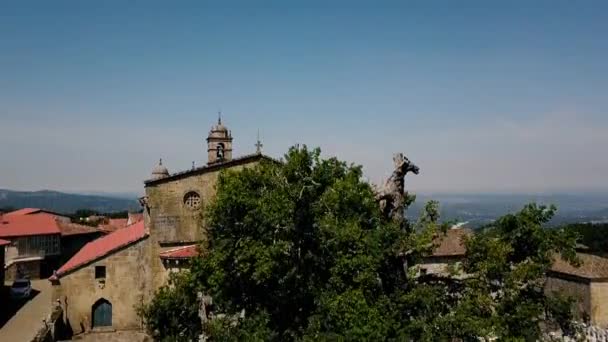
(484, 96)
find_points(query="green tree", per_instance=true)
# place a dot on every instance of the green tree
(302, 248)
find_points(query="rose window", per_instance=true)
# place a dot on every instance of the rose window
(192, 200)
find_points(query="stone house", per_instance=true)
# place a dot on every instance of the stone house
(37, 240)
(102, 286)
(447, 254)
(74, 237)
(587, 284)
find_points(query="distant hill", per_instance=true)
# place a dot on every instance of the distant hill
(64, 202)
(480, 209)
(476, 209)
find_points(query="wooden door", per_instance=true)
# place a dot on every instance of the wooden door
(102, 314)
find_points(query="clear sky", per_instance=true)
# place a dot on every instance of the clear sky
(485, 96)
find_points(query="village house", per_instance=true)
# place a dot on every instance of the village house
(102, 286)
(39, 241)
(105, 283)
(447, 254)
(587, 284)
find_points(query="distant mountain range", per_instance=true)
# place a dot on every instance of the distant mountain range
(480, 209)
(66, 202)
(475, 209)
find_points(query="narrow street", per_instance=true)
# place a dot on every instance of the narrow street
(21, 322)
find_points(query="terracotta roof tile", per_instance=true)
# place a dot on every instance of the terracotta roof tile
(24, 211)
(31, 211)
(451, 243)
(4, 242)
(69, 228)
(114, 224)
(103, 246)
(27, 225)
(183, 252)
(592, 266)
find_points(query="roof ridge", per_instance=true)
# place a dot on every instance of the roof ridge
(179, 248)
(207, 167)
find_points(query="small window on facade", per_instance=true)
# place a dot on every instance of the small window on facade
(192, 200)
(100, 272)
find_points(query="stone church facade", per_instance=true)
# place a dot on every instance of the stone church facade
(102, 286)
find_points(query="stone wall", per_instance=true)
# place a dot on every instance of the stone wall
(574, 288)
(169, 219)
(117, 336)
(599, 304)
(23, 268)
(170, 222)
(126, 287)
(440, 266)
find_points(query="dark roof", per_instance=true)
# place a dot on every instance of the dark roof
(211, 167)
(451, 243)
(591, 267)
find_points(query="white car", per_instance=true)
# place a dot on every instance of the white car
(21, 289)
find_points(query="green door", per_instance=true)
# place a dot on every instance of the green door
(102, 314)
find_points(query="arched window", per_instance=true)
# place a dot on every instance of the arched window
(220, 151)
(102, 313)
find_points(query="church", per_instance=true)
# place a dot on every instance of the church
(101, 287)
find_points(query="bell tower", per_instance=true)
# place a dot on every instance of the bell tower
(219, 143)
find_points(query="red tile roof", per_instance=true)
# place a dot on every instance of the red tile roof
(103, 246)
(113, 225)
(591, 267)
(27, 225)
(28, 222)
(30, 211)
(69, 228)
(451, 243)
(184, 252)
(24, 211)
(4, 242)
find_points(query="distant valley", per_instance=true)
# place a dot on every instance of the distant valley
(475, 209)
(66, 202)
(480, 209)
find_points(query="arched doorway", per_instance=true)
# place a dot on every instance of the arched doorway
(102, 313)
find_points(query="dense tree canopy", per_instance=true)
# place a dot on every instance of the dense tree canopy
(592, 236)
(299, 250)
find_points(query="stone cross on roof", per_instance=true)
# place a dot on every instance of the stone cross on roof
(258, 144)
